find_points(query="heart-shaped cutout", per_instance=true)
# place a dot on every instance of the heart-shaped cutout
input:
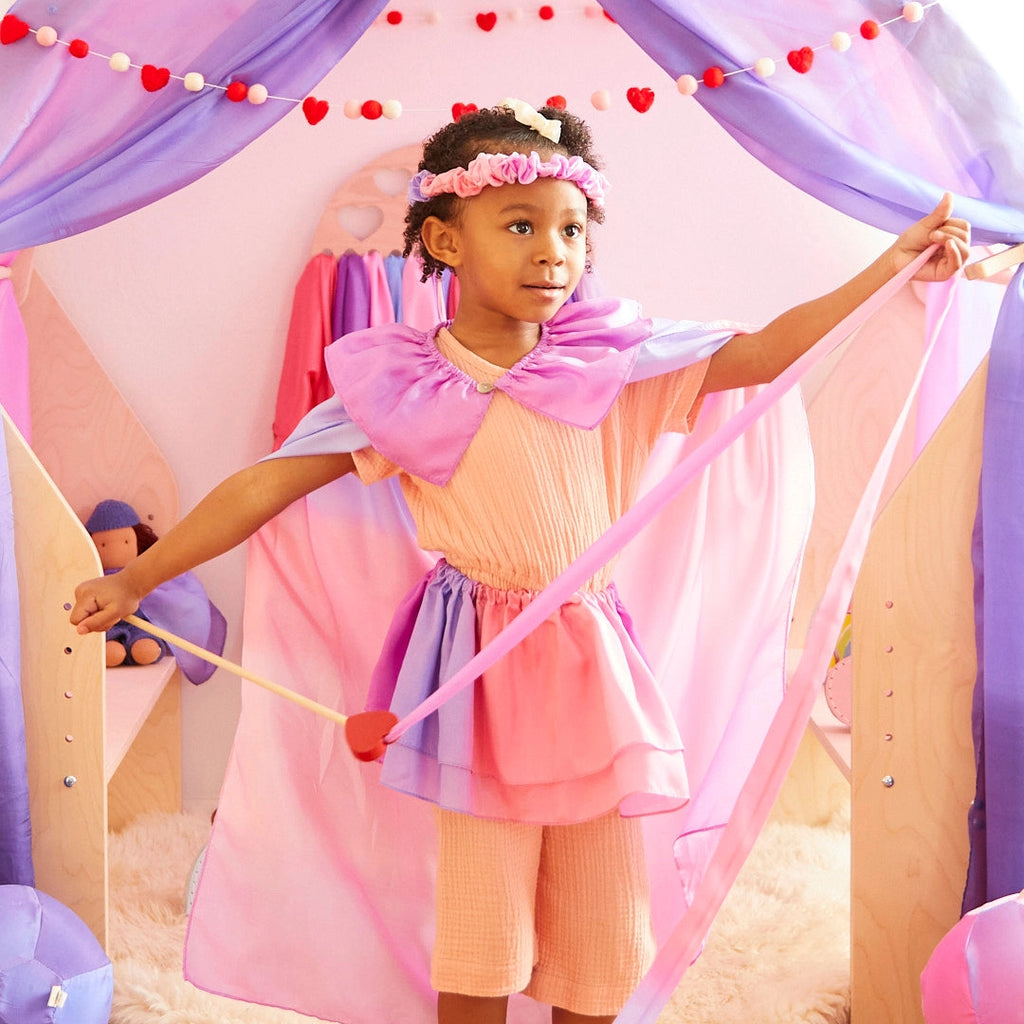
(392, 181)
(458, 109)
(314, 109)
(801, 60)
(12, 28)
(154, 78)
(487, 20)
(640, 99)
(365, 733)
(360, 221)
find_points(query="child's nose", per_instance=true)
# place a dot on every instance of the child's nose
(550, 251)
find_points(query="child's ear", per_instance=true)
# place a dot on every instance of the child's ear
(441, 240)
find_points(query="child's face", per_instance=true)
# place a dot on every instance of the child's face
(520, 250)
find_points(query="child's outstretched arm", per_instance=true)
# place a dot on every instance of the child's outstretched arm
(759, 357)
(229, 514)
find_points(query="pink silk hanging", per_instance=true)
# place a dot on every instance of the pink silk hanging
(312, 862)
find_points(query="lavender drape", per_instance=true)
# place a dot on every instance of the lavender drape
(81, 145)
(15, 831)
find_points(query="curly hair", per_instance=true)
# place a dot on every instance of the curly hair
(494, 129)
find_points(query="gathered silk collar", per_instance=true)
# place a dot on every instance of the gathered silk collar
(421, 411)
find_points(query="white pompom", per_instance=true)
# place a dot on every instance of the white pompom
(687, 84)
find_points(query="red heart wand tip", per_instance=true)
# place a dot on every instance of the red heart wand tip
(366, 731)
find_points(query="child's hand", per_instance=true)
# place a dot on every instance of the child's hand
(101, 602)
(951, 234)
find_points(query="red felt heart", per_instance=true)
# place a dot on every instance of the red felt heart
(557, 101)
(154, 78)
(458, 109)
(314, 109)
(12, 28)
(640, 99)
(487, 21)
(801, 60)
(365, 733)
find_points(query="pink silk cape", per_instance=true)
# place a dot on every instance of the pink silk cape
(317, 887)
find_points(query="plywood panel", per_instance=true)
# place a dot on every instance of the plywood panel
(62, 681)
(83, 432)
(914, 668)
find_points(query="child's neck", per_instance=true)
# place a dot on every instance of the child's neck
(502, 344)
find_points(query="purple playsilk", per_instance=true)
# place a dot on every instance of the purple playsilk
(44, 944)
(974, 975)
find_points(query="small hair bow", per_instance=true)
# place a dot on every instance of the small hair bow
(549, 127)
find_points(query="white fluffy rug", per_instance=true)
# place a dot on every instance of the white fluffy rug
(778, 953)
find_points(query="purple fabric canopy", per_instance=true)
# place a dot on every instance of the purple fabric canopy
(76, 152)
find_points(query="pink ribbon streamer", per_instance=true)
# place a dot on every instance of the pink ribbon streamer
(636, 518)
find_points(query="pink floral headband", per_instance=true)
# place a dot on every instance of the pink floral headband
(492, 169)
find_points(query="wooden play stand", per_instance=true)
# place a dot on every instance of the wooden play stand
(103, 745)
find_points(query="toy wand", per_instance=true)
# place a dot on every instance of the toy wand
(363, 732)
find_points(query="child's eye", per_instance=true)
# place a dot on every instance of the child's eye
(521, 227)
(574, 230)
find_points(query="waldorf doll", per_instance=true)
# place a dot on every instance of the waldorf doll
(181, 605)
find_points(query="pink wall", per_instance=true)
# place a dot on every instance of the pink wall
(186, 303)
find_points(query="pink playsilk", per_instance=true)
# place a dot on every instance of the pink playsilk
(13, 352)
(342, 876)
(974, 975)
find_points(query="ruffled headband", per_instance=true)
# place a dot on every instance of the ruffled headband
(492, 169)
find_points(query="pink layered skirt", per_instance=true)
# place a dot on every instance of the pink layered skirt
(569, 725)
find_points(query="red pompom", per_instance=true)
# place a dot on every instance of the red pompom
(154, 78)
(714, 77)
(78, 48)
(640, 99)
(315, 110)
(371, 110)
(487, 20)
(557, 101)
(547, 12)
(458, 109)
(801, 60)
(870, 29)
(12, 28)
(394, 17)
(237, 91)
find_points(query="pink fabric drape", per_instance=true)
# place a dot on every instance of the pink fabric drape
(14, 390)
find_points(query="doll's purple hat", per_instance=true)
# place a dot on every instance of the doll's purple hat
(112, 515)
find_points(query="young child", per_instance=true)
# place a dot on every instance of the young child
(518, 432)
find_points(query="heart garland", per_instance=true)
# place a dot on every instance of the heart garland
(12, 28)
(314, 109)
(154, 78)
(640, 99)
(801, 60)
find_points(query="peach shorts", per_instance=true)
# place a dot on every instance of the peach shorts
(560, 912)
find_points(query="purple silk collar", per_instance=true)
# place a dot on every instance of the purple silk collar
(421, 412)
